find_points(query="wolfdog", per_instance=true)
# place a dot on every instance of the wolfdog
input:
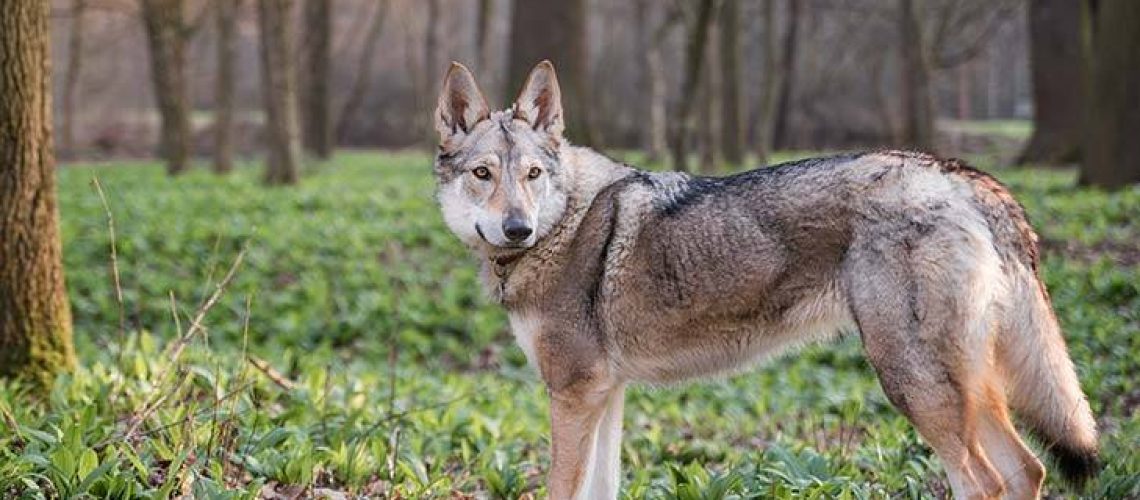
(612, 275)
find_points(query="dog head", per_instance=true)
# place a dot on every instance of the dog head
(500, 180)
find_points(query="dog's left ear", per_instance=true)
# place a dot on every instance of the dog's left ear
(540, 102)
(461, 104)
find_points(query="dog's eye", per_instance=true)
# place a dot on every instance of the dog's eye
(533, 173)
(481, 173)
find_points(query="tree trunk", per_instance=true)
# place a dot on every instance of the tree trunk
(166, 33)
(279, 88)
(71, 79)
(483, 36)
(694, 60)
(781, 128)
(1111, 151)
(1055, 60)
(732, 110)
(35, 318)
(429, 80)
(651, 79)
(363, 77)
(555, 30)
(709, 118)
(226, 19)
(918, 106)
(318, 62)
(773, 90)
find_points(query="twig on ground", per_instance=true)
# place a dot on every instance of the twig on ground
(272, 374)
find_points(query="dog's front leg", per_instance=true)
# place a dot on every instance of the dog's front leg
(585, 441)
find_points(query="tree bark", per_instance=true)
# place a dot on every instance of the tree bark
(35, 318)
(772, 92)
(166, 34)
(651, 79)
(709, 118)
(1058, 88)
(318, 51)
(483, 35)
(363, 77)
(694, 60)
(555, 30)
(781, 128)
(918, 106)
(1111, 151)
(71, 78)
(279, 88)
(226, 19)
(732, 100)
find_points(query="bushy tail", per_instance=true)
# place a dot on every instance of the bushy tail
(1043, 387)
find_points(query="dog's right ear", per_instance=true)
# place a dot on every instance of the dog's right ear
(461, 104)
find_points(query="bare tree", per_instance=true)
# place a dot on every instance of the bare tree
(694, 60)
(167, 33)
(781, 126)
(71, 77)
(709, 133)
(1058, 88)
(483, 35)
(35, 318)
(225, 16)
(318, 61)
(651, 77)
(364, 65)
(772, 92)
(918, 106)
(279, 89)
(1111, 151)
(555, 30)
(732, 100)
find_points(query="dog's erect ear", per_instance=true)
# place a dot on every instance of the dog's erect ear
(461, 104)
(540, 102)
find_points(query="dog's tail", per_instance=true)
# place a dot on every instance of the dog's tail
(1042, 384)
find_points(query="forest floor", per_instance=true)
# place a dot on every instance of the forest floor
(351, 351)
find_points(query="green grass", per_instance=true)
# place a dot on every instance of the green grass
(1010, 129)
(391, 374)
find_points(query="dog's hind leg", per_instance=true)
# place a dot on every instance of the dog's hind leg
(1022, 473)
(917, 335)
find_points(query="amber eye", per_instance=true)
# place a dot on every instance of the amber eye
(481, 173)
(533, 173)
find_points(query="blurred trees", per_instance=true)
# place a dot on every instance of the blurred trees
(167, 32)
(71, 76)
(362, 79)
(1112, 66)
(696, 38)
(35, 317)
(225, 15)
(279, 92)
(318, 62)
(732, 114)
(555, 30)
(1058, 88)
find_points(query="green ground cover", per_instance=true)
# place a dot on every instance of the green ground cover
(379, 369)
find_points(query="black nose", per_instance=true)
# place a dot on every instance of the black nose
(516, 229)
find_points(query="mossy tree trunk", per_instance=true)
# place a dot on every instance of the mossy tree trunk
(1111, 151)
(35, 319)
(279, 89)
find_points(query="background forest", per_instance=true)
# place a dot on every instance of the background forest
(223, 273)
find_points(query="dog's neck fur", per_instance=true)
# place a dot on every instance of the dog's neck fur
(509, 276)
